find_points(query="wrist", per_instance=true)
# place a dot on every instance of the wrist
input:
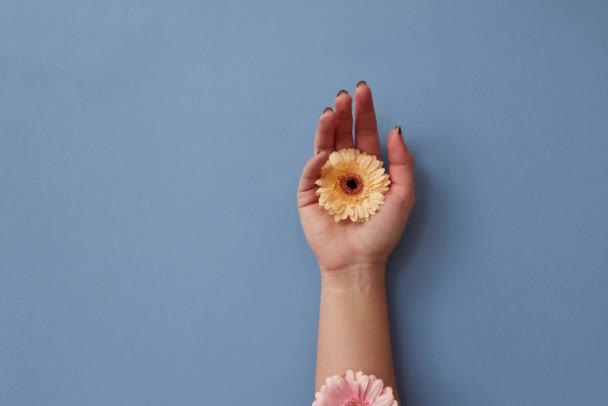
(357, 276)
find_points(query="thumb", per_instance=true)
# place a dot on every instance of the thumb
(310, 174)
(401, 166)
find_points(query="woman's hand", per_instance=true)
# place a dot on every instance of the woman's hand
(346, 247)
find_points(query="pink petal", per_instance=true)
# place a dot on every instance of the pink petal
(363, 381)
(337, 391)
(386, 399)
(345, 389)
(374, 390)
(352, 383)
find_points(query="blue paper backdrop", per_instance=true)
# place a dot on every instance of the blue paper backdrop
(150, 248)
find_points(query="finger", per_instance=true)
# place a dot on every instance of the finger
(366, 130)
(324, 137)
(310, 174)
(343, 107)
(401, 167)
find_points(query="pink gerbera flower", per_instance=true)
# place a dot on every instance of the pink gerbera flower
(354, 390)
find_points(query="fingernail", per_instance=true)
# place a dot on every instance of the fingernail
(398, 127)
(362, 82)
(327, 109)
(341, 92)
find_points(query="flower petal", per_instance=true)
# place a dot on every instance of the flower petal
(377, 173)
(363, 381)
(338, 392)
(386, 398)
(364, 161)
(374, 165)
(335, 158)
(352, 382)
(361, 212)
(374, 390)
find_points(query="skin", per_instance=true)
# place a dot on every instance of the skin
(353, 320)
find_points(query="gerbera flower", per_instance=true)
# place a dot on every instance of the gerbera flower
(352, 185)
(354, 390)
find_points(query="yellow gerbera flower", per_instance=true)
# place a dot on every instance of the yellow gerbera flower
(352, 185)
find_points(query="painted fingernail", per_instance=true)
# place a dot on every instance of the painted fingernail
(362, 82)
(398, 128)
(341, 92)
(327, 109)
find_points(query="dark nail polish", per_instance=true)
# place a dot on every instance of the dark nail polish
(362, 82)
(327, 109)
(342, 92)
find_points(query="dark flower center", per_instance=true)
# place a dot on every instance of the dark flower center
(351, 184)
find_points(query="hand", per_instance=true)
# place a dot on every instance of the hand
(346, 246)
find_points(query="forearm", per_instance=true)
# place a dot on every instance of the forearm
(354, 326)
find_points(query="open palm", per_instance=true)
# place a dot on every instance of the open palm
(343, 245)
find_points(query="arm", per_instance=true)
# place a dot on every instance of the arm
(353, 325)
(353, 322)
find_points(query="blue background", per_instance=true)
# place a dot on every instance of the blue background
(150, 247)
